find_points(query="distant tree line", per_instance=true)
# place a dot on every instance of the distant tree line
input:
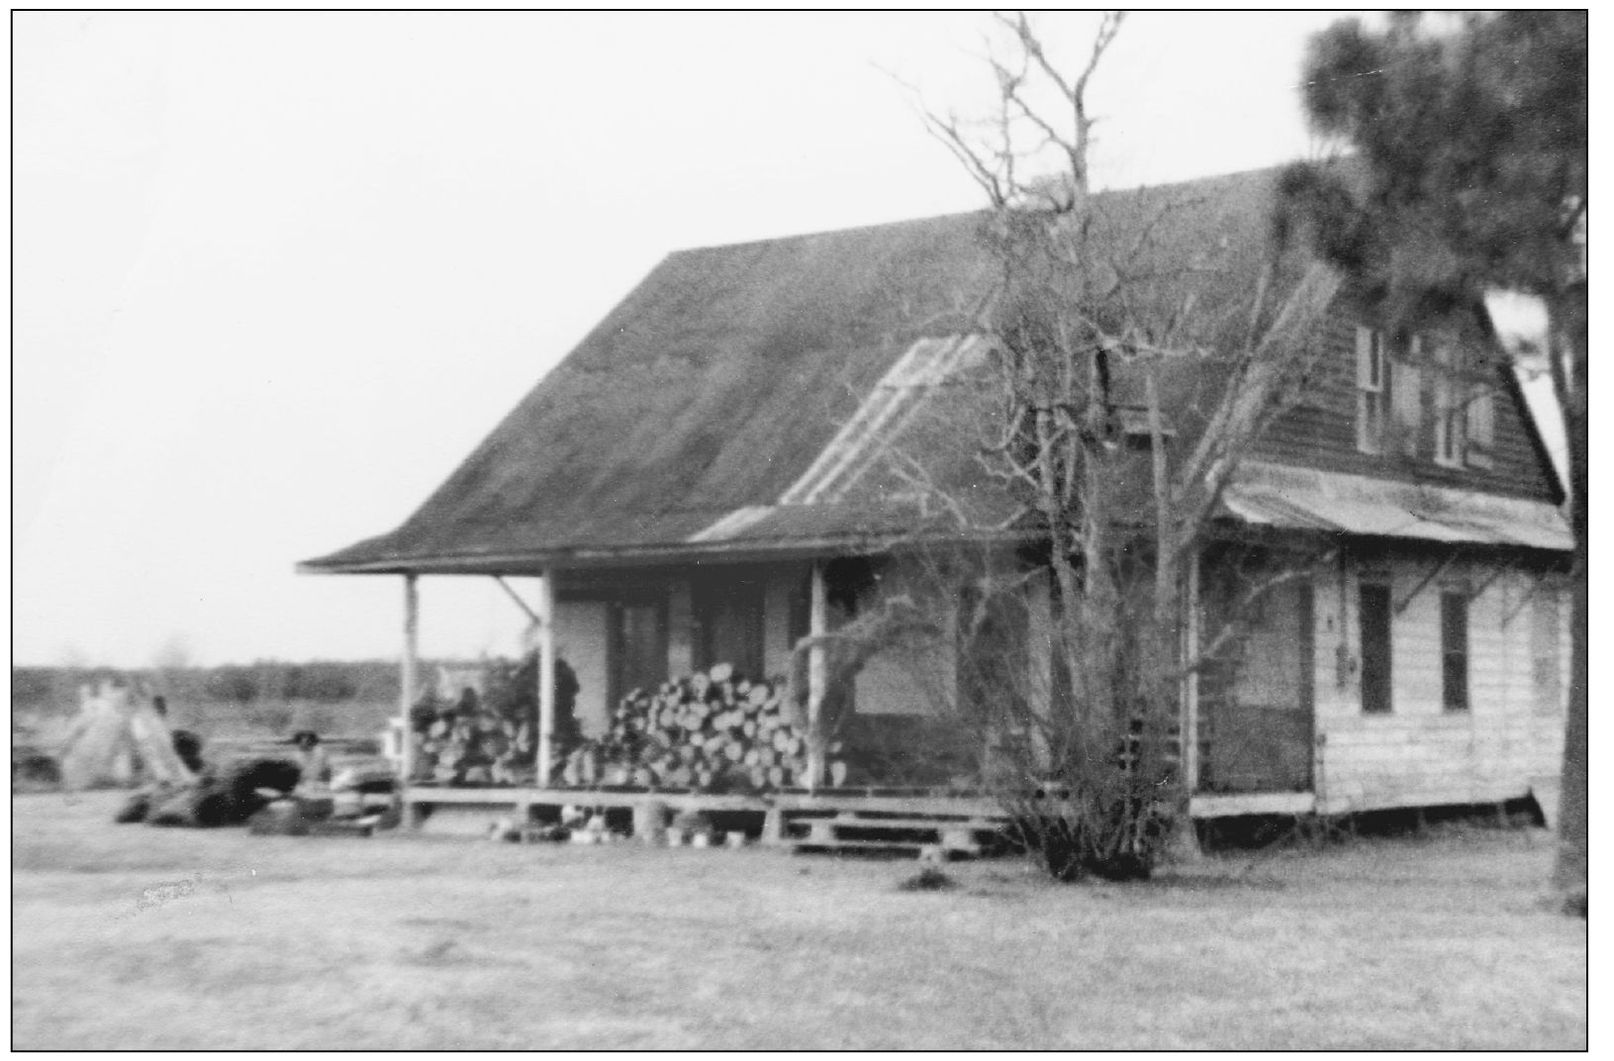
(263, 681)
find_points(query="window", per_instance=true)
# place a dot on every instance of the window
(1372, 390)
(1374, 617)
(1449, 421)
(1480, 425)
(1454, 650)
(1545, 651)
(1406, 399)
(1465, 414)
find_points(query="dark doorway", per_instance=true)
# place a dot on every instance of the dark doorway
(1374, 606)
(638, 645)
(729, 623)
(1257, 699)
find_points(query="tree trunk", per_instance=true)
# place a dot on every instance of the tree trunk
(1569, 319)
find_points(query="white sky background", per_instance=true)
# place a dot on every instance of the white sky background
(276, 274)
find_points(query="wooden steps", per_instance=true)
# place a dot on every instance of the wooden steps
(852, 831)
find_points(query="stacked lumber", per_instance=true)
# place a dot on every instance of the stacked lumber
(709, 732)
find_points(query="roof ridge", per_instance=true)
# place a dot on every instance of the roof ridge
(875, 226)
(960, 214)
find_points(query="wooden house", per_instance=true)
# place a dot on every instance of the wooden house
(699, 482)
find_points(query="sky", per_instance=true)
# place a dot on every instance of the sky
(276, 274)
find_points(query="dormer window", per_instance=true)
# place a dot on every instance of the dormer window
(1479, 414)
(1449, 420)
(1390, 411)
(1465, 413)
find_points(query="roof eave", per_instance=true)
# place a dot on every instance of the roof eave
(533, 562)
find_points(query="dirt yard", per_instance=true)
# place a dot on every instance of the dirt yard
(130, 937)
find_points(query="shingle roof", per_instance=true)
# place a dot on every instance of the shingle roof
(691, 419)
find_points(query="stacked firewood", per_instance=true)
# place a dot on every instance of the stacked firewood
(474, 747)
(490, 739)
(710, 732)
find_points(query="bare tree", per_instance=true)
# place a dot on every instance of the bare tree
(1097, 312)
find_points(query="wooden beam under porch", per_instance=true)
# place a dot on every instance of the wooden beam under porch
(418, 801)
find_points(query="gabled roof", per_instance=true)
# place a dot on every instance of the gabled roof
(735, 401)
(710, 389)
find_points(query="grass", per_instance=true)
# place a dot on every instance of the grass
(131, 937)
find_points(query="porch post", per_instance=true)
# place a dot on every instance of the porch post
(407, 679)
(817, 626)
(1190, 700)
(546, 675)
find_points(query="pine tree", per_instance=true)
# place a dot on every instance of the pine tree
(1472, 139)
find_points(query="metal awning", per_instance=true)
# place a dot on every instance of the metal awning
(1307, 499)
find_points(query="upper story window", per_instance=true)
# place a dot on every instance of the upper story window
(1390, 408)
(1464, 409)
(1389, 397)
(1372, 390)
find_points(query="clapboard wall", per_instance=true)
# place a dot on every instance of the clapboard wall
(1420, 753)
(1319, 429)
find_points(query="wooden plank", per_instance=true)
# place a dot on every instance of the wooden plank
(1213, 806)
(856, 845)
(857, 821)
(827, 803)
(961, 805)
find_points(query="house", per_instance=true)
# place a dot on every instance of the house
(701, 481)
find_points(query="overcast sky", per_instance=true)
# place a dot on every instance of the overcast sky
(276, 274)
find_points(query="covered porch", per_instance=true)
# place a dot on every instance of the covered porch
(626, 625)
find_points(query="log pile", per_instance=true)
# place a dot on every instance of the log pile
(708, 732)
(490, 739)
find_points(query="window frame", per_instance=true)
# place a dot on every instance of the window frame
(1450, 415)
(1406, 413)
(1479, 424)
(1373, 702)
(1456, 660)
(1373, 406)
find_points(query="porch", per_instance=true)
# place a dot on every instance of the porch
(622, 629)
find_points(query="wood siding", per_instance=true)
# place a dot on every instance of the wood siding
(1320, 431)
(1420, 753)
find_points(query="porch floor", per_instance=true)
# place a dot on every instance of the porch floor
(421, 798)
